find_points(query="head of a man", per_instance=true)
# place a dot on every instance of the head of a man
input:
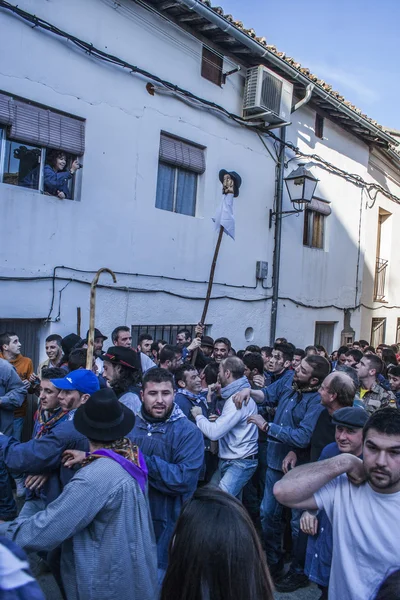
(188, 378)
(298, 356)
(98, 341)
(222, 348)
(170, 358)
(311, 371)
(349, 423)
(121, 368)
(394, 379)
(183, 338)
(209, 375)
(381, 450)
(380, 348)
(53, 348)
(10, 345)
(281, 340)
(207, 345)
(77, 360)
(369, 367)
(341, 355)
(144, 343)
(230, 369)
(254, 365)
(48, 397)
(363, 344)
(158, 393)
(353, 357)
(121, 336)
(310, 350)
(266, 352)
(337, 391)
(281, 358)
(75, 388)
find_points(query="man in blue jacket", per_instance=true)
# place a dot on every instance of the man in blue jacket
(173, 448)
(43, 455)
(298, 406)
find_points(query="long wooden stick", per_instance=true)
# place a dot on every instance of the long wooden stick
(210, 284)
(90, 340)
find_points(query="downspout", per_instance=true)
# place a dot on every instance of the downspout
(276, 261)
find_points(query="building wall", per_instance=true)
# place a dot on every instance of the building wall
(165, 257)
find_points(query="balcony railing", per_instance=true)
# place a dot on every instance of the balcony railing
(380, 279)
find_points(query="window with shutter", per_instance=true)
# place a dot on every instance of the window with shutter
(42, 147)
(211, 66)
(314, 223)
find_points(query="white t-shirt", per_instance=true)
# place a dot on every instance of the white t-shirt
(366, 537)
(237, 438)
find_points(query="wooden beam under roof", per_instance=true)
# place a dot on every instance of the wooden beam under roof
(167, 4)
(189, 18)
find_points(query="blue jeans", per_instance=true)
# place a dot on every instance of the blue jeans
(8, 508)
(272, 521)
(235, 474)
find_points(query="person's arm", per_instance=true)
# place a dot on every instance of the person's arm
(71, 512)
(35, 456)
(297, 488)
(56, 179)
(299, 436)
(217, 429)
(181, 476)
(16, 391)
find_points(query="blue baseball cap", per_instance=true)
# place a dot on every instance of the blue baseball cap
(82, 380)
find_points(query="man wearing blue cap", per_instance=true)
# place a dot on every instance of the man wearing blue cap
(43, 455)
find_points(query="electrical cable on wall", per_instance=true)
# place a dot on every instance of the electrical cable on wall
(109, 58)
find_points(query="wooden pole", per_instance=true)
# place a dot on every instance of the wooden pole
(210, 284)
(90, 340)
(78, 321)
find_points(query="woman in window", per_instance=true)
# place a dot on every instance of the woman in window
(56, 178)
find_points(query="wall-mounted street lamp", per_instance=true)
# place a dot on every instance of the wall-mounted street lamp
(300, 184)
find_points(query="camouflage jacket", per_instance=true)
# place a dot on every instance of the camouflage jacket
(375, 398)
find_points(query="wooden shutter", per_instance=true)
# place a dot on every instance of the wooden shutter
(181, 154)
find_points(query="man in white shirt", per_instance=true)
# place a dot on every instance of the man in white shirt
(238, 439)
(362, 501)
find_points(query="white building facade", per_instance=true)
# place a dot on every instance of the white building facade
(142, 205)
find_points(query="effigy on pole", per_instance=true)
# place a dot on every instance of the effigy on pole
(90, 340)
(224, 222)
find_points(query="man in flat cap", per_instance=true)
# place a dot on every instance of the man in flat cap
(123, 372)
(349, 423)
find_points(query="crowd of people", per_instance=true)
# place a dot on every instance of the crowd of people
(191, 471)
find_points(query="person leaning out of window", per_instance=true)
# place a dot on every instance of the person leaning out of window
(56, 176)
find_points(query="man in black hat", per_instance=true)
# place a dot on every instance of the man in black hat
(207, 346)
(231, 182)
(99, 340)
(349, 423)
(103, 514)
(122, 371)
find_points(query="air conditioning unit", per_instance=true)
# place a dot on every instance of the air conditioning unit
(267, 96)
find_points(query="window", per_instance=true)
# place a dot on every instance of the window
(180, 164)
(319, 126)
(211, 66)
(314, 223)
(378, 331)
(324, 335)
(163, 332)
(40, 148)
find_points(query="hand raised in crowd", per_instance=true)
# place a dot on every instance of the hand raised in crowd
(309, 523)
(71, 458)
(289, 462)
(35, 482)
(75, 166)
(259, 380)
(196, 411)
(355, 471)
(199, 330)
(196, 343)
(26, 383)
(259, 421)
(240, 397)
(33, 378)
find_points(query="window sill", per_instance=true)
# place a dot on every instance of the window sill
(20, 189)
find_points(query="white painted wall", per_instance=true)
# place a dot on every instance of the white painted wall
(116, 224)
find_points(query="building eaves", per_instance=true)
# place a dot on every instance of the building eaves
(198, 16)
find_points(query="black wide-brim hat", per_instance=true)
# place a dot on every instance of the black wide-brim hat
(103, 417)
(237, 180)
(97, 334)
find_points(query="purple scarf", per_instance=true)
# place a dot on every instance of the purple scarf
(139, 473)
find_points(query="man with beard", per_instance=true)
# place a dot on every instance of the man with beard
(122, 371)
(298, 406)
(98, 353)
(362, 501)
(173, 449)
(170, 358)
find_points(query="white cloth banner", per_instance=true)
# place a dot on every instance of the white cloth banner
(224, 215)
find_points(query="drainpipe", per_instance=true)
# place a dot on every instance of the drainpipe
(276, 261)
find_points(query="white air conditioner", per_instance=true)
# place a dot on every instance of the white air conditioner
(267, 96)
